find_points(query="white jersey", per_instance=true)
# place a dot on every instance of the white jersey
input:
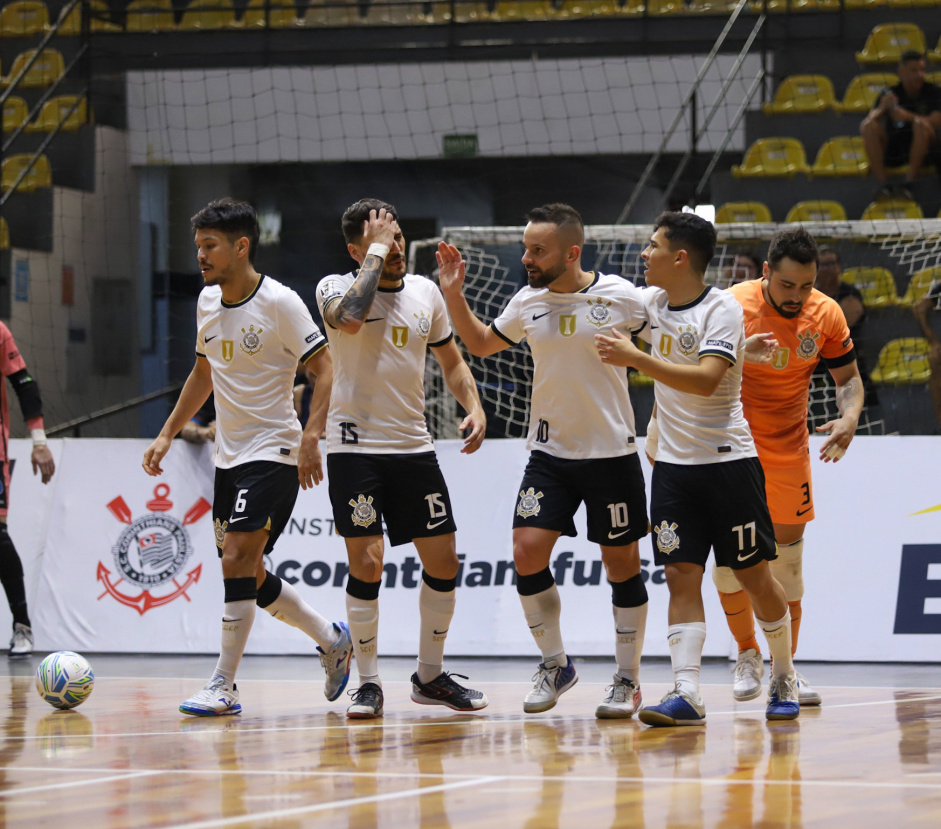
(695, 429)
(253, 348)
(580, 406)
(378, 400)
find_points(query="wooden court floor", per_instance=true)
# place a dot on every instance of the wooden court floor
(869, 757)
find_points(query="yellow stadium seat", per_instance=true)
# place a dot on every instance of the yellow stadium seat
(100, 19)
(511, 10)
(150, 16)
(887, 41)
(23, 18)
(594, 8)
(335, 13)
(281, 14)
(638, 378)
(208, 14)
(919, 285)
(877, 285)
(39, 175)
(934, 77)
(816, 211)
(910, 4)
(743, 211)
(863, 90)
(15, 113)
(45, 71)
(892, 209)
(902, 362)
(802, 93)
(772, 157)
(844, 155)
(935, 57)
(53, 115)
(4, 234)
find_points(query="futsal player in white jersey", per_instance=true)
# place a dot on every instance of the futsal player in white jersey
(708, 488)
(381, 322)
(581, 441)
(251, 333)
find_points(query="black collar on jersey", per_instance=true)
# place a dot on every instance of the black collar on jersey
(695, 302)
(241, 302)
(400, 287)
(595, 276)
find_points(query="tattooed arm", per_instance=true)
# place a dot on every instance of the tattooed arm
(348, 313)
(850, 398)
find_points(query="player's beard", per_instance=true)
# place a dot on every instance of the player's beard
(545, 278)
(785, 312)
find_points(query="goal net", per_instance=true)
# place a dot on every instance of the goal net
(889, 264)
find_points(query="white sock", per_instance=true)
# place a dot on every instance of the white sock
(237, 621)
(686, 643)
(436, 609)
(543, 612)
(630, 623)
(291, 609)
(363, 618)
(778, 635)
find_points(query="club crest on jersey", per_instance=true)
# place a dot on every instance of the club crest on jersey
(667, 539)
(251, 341)
(364, 513)
(228, 350)
(400, 336)
(218, 529)
(566, 324)
(599, 314)
(528, 505)
(807, 345)
(424, 325)
(688, 340)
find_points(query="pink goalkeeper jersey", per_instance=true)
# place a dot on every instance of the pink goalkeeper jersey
(10, 363)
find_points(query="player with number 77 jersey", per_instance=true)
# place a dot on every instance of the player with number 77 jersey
(581, 440)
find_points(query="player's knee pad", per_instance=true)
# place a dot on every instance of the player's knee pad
(788, 570)
(725, 580)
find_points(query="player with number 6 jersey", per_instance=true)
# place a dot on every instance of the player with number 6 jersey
(581, 439)
(382, 468)
(251, 333)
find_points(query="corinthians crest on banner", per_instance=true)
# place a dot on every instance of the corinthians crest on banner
(151, 553)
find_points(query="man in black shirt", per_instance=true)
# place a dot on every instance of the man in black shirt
(905, 123)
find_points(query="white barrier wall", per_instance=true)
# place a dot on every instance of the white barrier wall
(117, 561)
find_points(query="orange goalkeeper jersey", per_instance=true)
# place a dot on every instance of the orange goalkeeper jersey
(774, 395)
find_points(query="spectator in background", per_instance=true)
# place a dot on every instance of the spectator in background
(745, 265)
(922, 310)
(14, 369)
(201, 427)
(904, 125)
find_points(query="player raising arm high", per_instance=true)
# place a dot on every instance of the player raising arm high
(381, 322)
(582, 445)
(251, 332)
(708, 487)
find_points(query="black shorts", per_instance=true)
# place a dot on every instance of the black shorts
(715, 505)
(898, 148)
(612, 489)
(405, 491)
(254, 496)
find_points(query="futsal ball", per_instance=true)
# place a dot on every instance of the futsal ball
(64, 679)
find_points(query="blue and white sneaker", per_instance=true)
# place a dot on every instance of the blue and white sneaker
(676, 708)
(336, 662)
(216, 699)
(551, 681)
(783, 702)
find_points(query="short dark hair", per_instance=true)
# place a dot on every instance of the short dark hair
(563, 216)
(234, 218)
(693, 233)
(796, 244)
(358, 213)
(911, 54)
(829, 249)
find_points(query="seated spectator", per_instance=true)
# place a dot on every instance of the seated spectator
(745, 265)
(922, 311)
(201, 428)
(904, 124)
